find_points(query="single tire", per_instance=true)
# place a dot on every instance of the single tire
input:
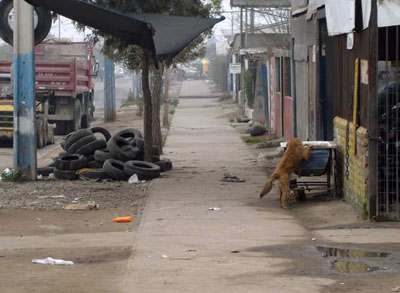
(42, 28)
(95, 165)
(45, 171)
(90, 158)
(71, 162)
(81, 143)
(52, 165)
(155, 151)
(115, 169)
(139, 142)
(129, 134)
(65, 174)
(144, 170)
(94, 175)
(165, 165)
(103, 131)
(121, 149)
(102, 155)
(90, 148)
(74, 137)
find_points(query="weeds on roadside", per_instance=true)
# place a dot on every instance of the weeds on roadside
(172, 112)
(252, 140)
(173, 102)
(9, 175)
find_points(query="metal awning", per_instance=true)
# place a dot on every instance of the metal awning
(164, 36)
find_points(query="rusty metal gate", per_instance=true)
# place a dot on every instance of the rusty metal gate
(388, 198)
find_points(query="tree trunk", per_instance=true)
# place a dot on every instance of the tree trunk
(156, 99)
(166, 97)
(147, 120)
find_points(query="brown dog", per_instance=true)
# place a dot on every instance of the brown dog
(290, 162)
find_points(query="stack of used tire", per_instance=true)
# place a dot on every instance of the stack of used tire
(116, 157)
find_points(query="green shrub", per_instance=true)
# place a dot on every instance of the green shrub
(252, 140)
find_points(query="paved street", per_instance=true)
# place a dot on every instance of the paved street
(182, 246)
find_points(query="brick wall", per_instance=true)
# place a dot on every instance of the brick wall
(354, 189)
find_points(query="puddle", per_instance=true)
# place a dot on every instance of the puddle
(349, 253)
(343, 266)
(343, 259)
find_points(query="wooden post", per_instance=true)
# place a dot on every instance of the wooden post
(355, 105)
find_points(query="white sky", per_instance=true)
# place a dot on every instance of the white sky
(68, 30)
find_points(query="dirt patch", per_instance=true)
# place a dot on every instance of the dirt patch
(83, 276)
(55, 194)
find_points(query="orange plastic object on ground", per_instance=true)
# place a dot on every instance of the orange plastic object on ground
(122, 220)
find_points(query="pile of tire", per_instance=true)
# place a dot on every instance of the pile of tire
(116, 157)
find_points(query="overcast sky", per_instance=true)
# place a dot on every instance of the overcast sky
(67, 29)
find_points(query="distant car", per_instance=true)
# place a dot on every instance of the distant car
(191, 73)
(119, 73)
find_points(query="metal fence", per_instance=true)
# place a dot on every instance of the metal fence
(389, 124)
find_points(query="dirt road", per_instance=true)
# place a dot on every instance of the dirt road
(179, 244)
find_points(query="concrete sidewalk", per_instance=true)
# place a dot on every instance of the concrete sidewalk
(250, 245)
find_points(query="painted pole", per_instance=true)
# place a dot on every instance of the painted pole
(110, 114)
(25, 158)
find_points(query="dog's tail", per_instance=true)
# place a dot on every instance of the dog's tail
(268, 184)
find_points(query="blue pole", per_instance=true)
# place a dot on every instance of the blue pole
(25, 158)
(109, 90)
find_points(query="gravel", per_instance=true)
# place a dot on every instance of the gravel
(51, 194)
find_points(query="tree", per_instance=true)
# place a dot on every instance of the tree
(134, 57)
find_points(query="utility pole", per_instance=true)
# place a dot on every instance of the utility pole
(25, 158)
(110, 114)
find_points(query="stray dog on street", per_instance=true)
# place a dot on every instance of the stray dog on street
(290, 162)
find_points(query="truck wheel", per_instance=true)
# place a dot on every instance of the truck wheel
(77, 115)
(85, 122)
(42, 28)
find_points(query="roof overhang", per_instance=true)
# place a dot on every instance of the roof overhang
(261, 3)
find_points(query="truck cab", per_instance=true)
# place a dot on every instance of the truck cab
(6, 108)
(44, 131)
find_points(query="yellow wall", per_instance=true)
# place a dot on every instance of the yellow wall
(354, 188)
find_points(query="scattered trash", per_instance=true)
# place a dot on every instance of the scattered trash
(133, 179)
(164, 256)
(235, 251)
(191, 250)
(81, 206)
(214, 209)
(396, 289)
(313, 239)
(53, 261)
(51, 196)
(341, 283)
(122, 219)
(51, 176)
(229, 178)
(40, 177)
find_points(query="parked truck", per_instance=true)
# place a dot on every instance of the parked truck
(64, 73)
(44, 130)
